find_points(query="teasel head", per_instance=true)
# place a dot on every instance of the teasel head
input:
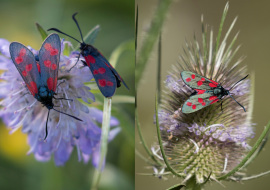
(211, 143)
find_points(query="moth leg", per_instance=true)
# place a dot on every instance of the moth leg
(61, 83)
(26, 93)
(221, 106)
(63, 99)
(84, 63)
(75, 63)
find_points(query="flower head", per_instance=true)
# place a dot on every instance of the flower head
(20, 108)
(211, 140)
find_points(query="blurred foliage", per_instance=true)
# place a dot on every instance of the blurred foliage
(116, 21)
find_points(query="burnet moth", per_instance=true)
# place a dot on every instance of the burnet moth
(105, 75)
(40, 73)
(206, 92)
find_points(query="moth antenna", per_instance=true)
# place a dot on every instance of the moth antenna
(55, 29)
(238, 82)
(73, 16)
(68, 115)
(46, 129)
(236, 101)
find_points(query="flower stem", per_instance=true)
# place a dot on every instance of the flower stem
(192, 185)
(143, 141)
(160, 144)
(103, 141)
(151, 38)
(249, 155)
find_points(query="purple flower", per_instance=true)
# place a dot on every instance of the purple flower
(20, 108)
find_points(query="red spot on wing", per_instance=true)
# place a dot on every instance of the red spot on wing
(194, 107)
(188, 79)
(47, 63)
(24, 73)
(200, 91)
(18, 60)
(214, 101)
(50, 83)
(214, 82)
(22, 52)
(189, 104)
(109, 83)
(203, 103)
(34, 87)
(193, 76)
(102, 82)
(54, 52)
(213, 97)
(202, 79)
(28, 67)
(54, 66)
(90, 59)
(107, 65)
(38, 67)
(29, 87)
(101, 70)
(212, 85)
(200, 100)
(199, 83)
(95, 72)
(48, 46)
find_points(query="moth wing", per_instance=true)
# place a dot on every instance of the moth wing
(103, 75)
(118, 77)
(24, 61)
(197, 102)
(196, 81)
(49, 57)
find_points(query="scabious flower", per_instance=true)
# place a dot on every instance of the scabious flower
(210, 141)
(20, 108)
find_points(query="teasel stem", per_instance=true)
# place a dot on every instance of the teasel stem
(151, 37)
(148, 151)
(160, 143)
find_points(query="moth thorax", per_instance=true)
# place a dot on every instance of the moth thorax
(89, 50)
(217, 91)
(43, 92)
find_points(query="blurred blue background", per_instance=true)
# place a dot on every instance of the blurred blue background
(116, 19)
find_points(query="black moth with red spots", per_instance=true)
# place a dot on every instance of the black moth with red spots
(105, 75)
(40, 73)
(206, 93)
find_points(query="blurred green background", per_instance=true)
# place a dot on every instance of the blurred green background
(183, 20)
(116, 19)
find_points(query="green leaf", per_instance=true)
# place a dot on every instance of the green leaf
(42, 32)
(90, 36)
(125, 46)
(176, 187)
(67, 50)
(249, 155)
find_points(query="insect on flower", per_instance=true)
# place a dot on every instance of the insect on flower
(206, 92)
(105, 75)
(40, 74)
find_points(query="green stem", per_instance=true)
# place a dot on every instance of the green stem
(161, 146)
(143, 141)
(103, 142)
(192, 185)
(249, 155)
(151, 38)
